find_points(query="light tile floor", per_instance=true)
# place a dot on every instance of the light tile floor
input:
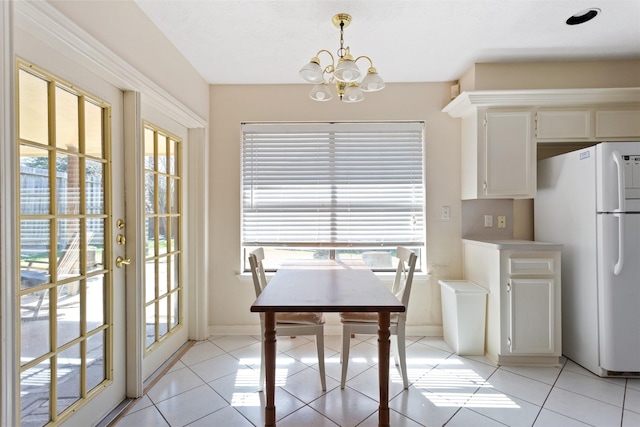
(215, 384)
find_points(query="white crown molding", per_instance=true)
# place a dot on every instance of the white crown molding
(469, 101)
(54, 28)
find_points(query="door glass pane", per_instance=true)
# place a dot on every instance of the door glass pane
(162, 194)
(94, 197)
(172, 157)
(173, 196)
(163, 326)
(68, 312)
(150, 317)
(34, 108)
(174, 268)
(35, 394)
(35, 267)
(68, 242)
(34, 181)
(66, 113)
(175, 310)
(149, 150)
(93, 125)
(163, 278)
(68, 377)
(96, 351)
(162, 153)
(150, 281)
(150, 193)
(95, 244)
(175, 234)
(68, 183)
(96, 300)
(35, 340)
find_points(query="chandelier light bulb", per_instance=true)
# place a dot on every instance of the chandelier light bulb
(312, 72)
(320, 93)
(347, 70)
(372, 82)
(353, 94)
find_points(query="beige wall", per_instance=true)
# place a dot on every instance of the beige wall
(551, 75)
(230, 296)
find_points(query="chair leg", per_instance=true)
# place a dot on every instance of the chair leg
(344, 354)
(394, 348)
(263, 374)
(320, 345)
(402, 354)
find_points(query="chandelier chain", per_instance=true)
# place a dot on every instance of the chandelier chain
(341, 52)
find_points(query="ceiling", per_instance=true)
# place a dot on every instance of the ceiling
(268, 41)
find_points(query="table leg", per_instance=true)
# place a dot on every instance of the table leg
(383, 367)
(270, 367)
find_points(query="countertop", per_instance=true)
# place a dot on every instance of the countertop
(523, 245)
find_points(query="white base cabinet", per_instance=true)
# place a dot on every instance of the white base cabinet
(523, 305)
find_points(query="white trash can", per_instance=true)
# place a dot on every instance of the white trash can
(463, 316)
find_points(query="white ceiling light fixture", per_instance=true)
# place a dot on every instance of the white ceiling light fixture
(346, 75)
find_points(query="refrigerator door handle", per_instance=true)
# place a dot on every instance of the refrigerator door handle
(617, 158)
(617, 268)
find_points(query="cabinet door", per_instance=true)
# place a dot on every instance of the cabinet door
(557, 125)
(531, 316)
(618, 124)
(510, 156)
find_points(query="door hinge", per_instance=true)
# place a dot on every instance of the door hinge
(508, 286)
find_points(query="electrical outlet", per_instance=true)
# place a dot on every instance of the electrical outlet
(446, 212)
(502, 221)
(488, 220)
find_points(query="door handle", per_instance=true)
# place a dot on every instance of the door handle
(120, 261)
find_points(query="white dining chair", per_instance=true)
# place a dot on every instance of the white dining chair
(367, 323)
(287, 324)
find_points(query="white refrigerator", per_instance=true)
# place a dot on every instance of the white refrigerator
(589, 200)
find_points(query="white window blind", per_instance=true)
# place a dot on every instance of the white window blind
(333, 185)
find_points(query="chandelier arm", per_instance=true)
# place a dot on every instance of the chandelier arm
(365, 57)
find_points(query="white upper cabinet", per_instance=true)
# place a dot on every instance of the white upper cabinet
(558, 125)
(500, 131)
(613, 124)
(594, 124)
(498, 153)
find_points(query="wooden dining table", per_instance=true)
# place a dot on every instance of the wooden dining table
(326, 286)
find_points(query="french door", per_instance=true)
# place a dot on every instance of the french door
(71, 325)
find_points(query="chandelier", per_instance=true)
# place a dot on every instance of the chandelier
(346, 75)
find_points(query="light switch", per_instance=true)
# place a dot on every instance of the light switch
(488, 220)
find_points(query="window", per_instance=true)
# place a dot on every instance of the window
(346, 190)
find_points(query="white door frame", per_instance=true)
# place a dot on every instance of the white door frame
(8, 220)
(45, 22)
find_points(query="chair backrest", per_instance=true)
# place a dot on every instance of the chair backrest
(404, 276)
(257, 270)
